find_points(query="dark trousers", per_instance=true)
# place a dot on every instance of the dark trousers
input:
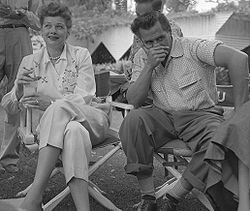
(15, 43)
(146, 129)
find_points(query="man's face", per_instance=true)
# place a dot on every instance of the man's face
(142, 8)
(156, 36)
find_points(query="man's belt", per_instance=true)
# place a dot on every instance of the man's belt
(8, 26)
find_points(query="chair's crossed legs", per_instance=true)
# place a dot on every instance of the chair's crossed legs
(163, 189)
(94, 191)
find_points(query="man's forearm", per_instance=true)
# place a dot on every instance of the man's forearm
(138, 91)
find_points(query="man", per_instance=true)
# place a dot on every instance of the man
(142, 7)
(145, 6)
(179, 75)
(15, 18)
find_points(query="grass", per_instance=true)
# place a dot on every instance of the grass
(120, 188)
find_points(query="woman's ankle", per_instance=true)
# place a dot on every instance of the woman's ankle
(31, 205)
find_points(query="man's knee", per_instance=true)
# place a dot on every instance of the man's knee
(133, 118)
(130, 124)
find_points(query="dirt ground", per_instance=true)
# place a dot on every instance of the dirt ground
(120, 188)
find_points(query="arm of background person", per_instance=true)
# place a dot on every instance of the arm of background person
(237, 63)
(85, 86)
(30, 18)
(10, 101)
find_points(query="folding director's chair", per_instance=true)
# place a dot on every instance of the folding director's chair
(181, 155)
(29, 141)
(111, 139)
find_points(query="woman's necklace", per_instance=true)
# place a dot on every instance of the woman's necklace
(54, 58)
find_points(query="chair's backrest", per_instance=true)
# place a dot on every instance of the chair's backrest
(102, 79)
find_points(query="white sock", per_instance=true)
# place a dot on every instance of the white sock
(179, 189)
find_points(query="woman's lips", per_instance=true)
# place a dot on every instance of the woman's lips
(53, 38)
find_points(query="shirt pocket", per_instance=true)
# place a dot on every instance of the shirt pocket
(156, 86)
(188, 79)
(190, 86)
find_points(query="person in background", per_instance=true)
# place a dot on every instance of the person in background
(179, 74)
(71, 122)
(16, 17)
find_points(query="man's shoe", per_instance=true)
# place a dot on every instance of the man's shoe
(11, 168)
(168, 203)
(147, 204)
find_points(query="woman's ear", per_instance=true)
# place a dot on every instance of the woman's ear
(68, 32)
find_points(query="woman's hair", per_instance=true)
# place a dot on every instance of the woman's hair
(148, 20)
(54, 9)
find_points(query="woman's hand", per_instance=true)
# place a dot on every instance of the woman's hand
(24, 78)
(37, 101)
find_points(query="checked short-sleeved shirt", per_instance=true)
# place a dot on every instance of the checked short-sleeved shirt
(187, 82)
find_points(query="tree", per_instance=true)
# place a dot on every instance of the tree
(121, 5)
(219, 1)
(174, 6)
(224, 5)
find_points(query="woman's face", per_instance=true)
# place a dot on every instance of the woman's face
(54, 31)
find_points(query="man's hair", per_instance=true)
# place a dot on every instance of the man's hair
(148, 20)
(143, 1)
(156, 4)
(54, 9)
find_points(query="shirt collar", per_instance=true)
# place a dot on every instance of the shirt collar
(176, 50)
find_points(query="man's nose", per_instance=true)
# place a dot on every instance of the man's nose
(156, 43)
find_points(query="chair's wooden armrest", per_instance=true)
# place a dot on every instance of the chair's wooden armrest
(25, 128)
(176, 147)
(122, 105)
(183, 152)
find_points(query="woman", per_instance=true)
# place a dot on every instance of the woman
(69, 126)
(228, 154)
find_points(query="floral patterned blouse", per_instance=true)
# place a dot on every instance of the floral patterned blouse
(72, 77)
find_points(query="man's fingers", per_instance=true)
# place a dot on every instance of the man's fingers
(32, 106)
(159, 51)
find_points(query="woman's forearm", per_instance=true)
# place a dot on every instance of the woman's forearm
(10, 103)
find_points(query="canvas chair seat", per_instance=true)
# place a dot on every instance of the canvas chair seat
(111, 139)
